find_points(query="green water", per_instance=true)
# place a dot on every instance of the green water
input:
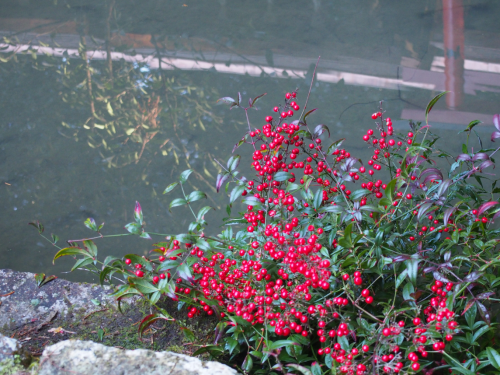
(73, 147)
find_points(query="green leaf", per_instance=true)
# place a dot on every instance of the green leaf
(71, 251)
(90, 223)
(358, 194)
(136, 259)
(408, 290)
(202, 212)
(184, 175)
(470, 314)
(283, 176)
(279, 344)
(185, 273)
(334, 146)
(252, 201)
(473, 124)
(300, 368)
(336, 209)
(432, 103)
(170, 187)
(55, 238)
(214, 350)
(316, 369)
(142, 285)
(257, 98)
(37, 225)
(494, 357)
(401, 278)
(177, 202)
(412, 270)
(101, 332)
(233, 162)
(481, 331)
(230, 344)
(196, 196)
(91, 247)
(134, 228)
(82, 263)
(236, 193)
(389, 190)
(318, 198)
(247, 363)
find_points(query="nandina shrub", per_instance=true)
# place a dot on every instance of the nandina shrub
(336, 265)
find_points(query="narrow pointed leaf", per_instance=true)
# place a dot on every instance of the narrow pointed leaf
(432, 103)
(170, 187)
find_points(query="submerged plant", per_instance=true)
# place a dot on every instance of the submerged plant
(336, 265)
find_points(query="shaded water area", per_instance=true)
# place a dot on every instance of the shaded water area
(103, 103)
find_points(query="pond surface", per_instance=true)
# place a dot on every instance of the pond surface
(103, 103)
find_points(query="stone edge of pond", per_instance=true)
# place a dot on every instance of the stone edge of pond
(61, 310)
(23, 302)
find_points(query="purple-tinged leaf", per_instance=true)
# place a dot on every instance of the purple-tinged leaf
(431, 174)
(447, 256)
(443, 187)
(483, 311)
(401, 258)
(468, 306)
(485, 206)
(439, 276)
(473, 276)
(485, 164)
(239, 143)
(320, 129)
(308, 113)
(185, 273)
(485, 295)
(496, 121)
(257, 98)
(138, 213)
(37, 225)
(226, 100)
(429, 269)
(447, 214)
(464, 157)
(495, 135)
(480, 156)
(221, 178)
(496, 215)
(424, 208)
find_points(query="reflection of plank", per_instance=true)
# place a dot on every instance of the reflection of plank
(449, 117)
(474, 80)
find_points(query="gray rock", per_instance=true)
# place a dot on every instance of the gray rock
(8, 347)
(86, 357)
(12, 352)
(28, 303)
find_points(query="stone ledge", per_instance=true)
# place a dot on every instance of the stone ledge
(29, 303)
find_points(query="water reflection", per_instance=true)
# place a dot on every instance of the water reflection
(105, 103)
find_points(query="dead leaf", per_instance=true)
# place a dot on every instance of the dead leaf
(59, 330)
